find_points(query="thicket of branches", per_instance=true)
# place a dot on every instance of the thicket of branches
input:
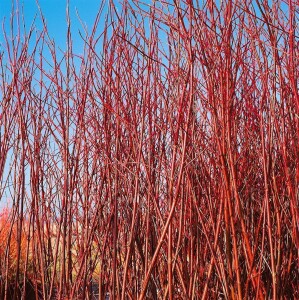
(160, 163)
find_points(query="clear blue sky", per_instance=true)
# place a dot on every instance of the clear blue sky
(55, 14)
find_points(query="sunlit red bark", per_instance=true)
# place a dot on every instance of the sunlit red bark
(160, 163)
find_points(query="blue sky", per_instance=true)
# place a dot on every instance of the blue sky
(55, 14)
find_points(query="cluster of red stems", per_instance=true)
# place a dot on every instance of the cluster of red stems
(160, 163)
